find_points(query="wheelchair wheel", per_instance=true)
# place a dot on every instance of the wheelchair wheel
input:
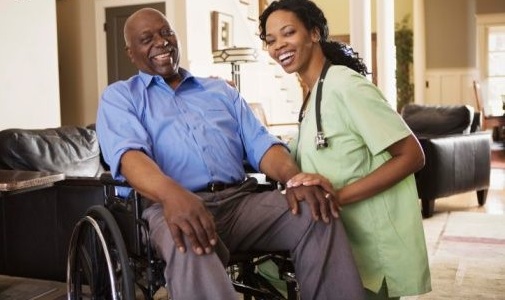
(97, 265)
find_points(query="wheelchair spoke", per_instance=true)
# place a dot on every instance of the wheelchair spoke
(98, 265)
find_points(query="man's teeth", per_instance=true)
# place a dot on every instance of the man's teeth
(162, 56)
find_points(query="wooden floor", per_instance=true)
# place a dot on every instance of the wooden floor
(464, 202)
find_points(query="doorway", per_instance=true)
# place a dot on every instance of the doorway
(119, 66)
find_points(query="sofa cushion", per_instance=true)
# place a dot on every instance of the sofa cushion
(427, 120)
(71, 150)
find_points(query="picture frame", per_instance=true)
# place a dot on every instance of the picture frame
(222, 30)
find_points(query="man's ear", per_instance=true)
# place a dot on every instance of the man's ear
(129, 53)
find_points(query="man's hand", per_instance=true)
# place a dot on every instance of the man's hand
(188, 216)
(184, 211)
(311, 179)
(317, 199)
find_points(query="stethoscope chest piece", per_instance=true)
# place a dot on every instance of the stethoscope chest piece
(321, 141)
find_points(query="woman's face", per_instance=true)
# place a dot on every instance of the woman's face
(289, 43)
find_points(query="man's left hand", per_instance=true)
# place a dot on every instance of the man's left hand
(318, 200)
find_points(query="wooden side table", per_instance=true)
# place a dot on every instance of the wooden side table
(15, 184)
(38, 211)
(12, 181)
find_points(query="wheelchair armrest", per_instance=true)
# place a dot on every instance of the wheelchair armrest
(107, 179)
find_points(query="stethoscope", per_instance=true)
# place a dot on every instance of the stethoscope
(321, 141)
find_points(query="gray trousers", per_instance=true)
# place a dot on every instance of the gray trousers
(245, 220)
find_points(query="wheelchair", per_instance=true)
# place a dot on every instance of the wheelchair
(109, 256)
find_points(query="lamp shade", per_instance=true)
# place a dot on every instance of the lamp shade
(235, 55)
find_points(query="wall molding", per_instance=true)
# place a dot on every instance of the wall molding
(450, 86)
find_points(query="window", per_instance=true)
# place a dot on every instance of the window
(496, 67)
(491, 61)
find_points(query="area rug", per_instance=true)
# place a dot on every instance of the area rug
(468, 259)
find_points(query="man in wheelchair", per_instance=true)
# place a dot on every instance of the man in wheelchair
(180, 141)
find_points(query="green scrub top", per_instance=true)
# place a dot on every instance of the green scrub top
(386, 230)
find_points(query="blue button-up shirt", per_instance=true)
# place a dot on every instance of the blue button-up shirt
(200, 132)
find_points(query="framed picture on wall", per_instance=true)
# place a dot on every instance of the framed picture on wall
(222, 30)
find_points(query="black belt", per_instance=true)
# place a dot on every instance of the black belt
(219, 186)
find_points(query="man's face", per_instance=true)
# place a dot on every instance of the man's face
(152, 44)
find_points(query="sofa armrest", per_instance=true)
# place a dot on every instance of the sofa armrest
(454, 164)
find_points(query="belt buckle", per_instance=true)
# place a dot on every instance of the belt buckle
(215, 186)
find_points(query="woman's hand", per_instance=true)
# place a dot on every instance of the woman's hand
(311, 179)
(308, 179)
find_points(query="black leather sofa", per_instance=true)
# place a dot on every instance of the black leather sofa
(458, 155)
(35, 226)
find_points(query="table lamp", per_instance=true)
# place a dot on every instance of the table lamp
(235, 56)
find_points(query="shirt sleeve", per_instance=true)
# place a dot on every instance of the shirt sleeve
(256, 138)
(368, 112)
(119, 128)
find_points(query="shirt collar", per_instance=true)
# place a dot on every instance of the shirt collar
(186, 76)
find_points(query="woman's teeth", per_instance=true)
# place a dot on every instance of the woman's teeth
(285, 56)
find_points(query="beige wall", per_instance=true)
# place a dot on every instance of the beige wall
(490, 6)
(29, 96)
(451, 31)
(78, 63)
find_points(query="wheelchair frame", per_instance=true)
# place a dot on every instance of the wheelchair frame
(108, 257)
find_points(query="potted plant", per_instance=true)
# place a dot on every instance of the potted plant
(404, 59)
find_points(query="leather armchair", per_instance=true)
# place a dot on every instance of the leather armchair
(458, 158)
